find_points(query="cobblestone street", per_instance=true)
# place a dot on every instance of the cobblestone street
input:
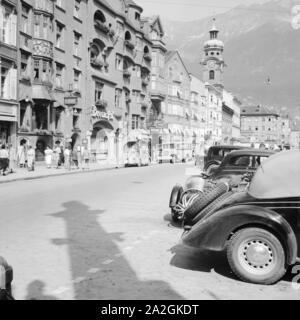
(107, 235)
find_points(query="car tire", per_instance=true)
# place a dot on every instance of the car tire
(212, 207)
(208, 196)
(175, 195)
(256, 255)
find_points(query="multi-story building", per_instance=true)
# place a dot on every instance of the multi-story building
(259, 125)
(295, 134)
(158, 89)
(236, 119)
(8, 68)
(284, 126)
(198, 109)
(176, 109)
(84, 69)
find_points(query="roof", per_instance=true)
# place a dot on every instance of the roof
(257, 111)
(131, 3)
(251, 152)
(286, 179)
(227, 147)
(214, 43)
(170, 54)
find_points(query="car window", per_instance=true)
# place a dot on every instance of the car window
(259, 160)
(216, 153)
(240, 162)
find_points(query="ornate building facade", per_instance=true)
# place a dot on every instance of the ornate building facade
(8, 69)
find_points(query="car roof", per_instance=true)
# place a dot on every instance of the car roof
(227, 147)
(277, 177)
(248, 152)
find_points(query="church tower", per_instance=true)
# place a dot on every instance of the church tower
(213, 59)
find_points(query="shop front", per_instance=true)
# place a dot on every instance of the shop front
(8, 124)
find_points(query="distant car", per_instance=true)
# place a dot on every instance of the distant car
(216, 154)
(260, 227)
(237, 163)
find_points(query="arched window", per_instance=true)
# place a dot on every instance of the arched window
(127, 36)
(146, 50)
(99, 16)
(94, 52)
(211, 75)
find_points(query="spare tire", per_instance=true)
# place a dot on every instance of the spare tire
(207, 197)
(175, 195)
(212, 207)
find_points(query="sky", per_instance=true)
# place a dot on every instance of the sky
(187, 10)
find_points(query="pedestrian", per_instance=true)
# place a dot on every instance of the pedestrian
(74, 156)
(67, 158)
(4, 159)
(86, 159)
(79, 150)
(21, 156)
(30, 158)
(12, 158)
(48, 157)
(56, 156)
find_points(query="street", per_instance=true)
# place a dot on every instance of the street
(108, 235)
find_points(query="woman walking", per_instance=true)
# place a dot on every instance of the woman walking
(31, 158)
(75, 158)
(67, 158)
(48, 157)
(21, 157)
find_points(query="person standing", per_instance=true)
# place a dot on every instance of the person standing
(86, 158)
(21, 157)
(30, 158)
(4, 159)
(74, 156)
(12, 158)
(67, 158)
(56, 156)
(48, 157)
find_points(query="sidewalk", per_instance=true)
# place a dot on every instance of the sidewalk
(43, 172)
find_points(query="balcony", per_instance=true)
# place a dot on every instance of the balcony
(130, 45)
(42, 48)
(126, 73)
(101, 103)
(97, 63)
(102, 26)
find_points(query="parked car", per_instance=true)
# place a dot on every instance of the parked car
(6, 278)
(260, 227)
(189, 201)
(216, 154)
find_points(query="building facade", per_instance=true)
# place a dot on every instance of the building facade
(8, 68)
(84, 81)
(295, 134)
(259, 125)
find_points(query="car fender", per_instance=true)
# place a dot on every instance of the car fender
(212, 233)
(212, 162)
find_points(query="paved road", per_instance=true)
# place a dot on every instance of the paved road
(107, 235)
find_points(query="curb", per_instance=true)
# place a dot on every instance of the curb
(61, 174)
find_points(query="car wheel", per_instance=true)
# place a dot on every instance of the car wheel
(175, 195)
(208, 196)
(255, 255)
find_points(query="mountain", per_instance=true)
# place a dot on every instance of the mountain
(260, 43)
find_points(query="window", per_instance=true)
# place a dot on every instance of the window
(137, 16)
(119, 62)
(211, 75)
(24, 65)
(120, 29)
(59, 35)
(60, 3)
(59, 75)
(36, 64)
(138, 71)
(118, 95)
(77, 9)
(98, 91)
(170, 72)
(77, 38)
(25, 25)
(135, 121)
(3, 81)
(77, 76)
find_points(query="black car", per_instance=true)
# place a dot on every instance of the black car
(260, 227)
(216, 154)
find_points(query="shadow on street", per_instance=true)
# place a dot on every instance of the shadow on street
(89, 245)
(35, 291)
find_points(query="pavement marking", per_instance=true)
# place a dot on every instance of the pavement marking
(60, 290)
(94, 270)
(108, 261)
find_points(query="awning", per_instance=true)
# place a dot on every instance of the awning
(41, 93)
(8, 118)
